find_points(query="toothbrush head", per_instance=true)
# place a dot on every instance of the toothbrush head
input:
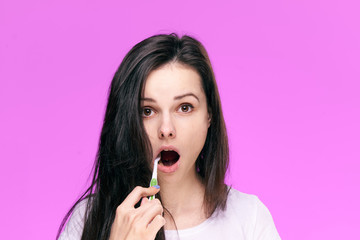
(156, 161)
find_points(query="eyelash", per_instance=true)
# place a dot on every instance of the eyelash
(143, 112)
(190, 106)
(187, 105)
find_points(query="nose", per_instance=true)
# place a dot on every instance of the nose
(167, 128)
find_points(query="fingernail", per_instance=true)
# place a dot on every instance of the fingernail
(157, 186)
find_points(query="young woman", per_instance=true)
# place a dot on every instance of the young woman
(163, 102)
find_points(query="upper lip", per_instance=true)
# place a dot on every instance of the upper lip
(168, 147)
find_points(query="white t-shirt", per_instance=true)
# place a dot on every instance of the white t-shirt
(245, 218)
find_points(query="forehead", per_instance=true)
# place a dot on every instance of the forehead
(173, 78)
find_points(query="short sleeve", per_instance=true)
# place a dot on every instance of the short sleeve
(264, 225)
(74, 228)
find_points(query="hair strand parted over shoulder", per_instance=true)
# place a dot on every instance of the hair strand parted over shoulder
(124, 154)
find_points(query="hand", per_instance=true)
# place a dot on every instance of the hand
(138, 223)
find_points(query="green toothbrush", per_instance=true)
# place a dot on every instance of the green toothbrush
(154, 181)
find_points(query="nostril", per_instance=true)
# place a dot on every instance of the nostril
(165, 134)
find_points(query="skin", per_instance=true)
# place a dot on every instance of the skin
(138, 223)
(174, 114)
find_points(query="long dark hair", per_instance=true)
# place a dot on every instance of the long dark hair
(124, 155)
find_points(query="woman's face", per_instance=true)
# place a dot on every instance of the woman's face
(176, 119)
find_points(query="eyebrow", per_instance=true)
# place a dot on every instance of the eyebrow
(186, 95)
(175, 98)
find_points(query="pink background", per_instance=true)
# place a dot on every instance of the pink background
(288, 74)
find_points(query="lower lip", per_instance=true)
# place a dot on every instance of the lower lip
(168, 169)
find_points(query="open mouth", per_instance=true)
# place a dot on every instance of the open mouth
(168, 158)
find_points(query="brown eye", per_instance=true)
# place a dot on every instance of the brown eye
(186, 108)
(147, 112)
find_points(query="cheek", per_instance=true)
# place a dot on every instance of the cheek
(150, 130)
(196, 136)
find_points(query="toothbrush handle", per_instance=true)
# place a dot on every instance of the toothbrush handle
(153, 182)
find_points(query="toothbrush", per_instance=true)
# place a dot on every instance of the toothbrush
(154, 181)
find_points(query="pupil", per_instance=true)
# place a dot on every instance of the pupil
(185, 108)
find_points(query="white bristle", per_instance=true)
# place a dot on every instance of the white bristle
(156, 161)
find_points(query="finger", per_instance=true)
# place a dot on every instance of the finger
(155, 225)
(144, 200)
(149, 211)
(139, 192)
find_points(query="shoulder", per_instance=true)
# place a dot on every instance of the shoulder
(248, 208)
(235, 195)
(242, 205)
(242, 202)
(74, 227)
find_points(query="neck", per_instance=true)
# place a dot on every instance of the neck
(184, 200)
